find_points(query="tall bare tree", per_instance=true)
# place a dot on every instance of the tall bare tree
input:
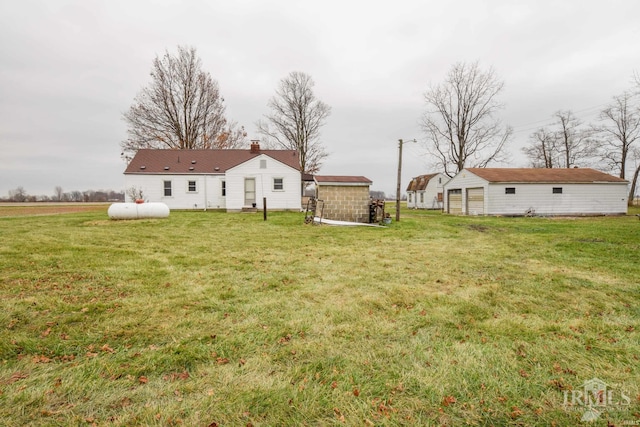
(542, 150)
(460, 122)
(620, 130)
(181, 108)
(573, 141)
(295, 119)
(634, 178)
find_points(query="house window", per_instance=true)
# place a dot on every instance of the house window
(557, 190)
(439, 180)
(510, 190)
(167, 188)
(278, 184)
(263, 164)
(191, 186)
(421, 197)
(224, 188)
(410, 197)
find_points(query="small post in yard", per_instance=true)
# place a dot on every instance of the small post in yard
(264, 208)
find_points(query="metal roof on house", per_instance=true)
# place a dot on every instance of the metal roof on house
(153, 161)
(338, 179)
(543, 175)
(419, 183)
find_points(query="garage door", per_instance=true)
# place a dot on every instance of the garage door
(454, 204)
(475, 201)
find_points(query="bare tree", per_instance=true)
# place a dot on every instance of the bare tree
(460, 122)
(18, 195)
(181, 108)
(572, 140)
(295, 120)
(134, 193)
(542, 150)
(75, 196)
(634, 179)
(620, 129)
(58, 194)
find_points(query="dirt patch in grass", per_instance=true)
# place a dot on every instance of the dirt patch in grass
(33, 209)
(478, 227)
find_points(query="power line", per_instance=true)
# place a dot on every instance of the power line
(552, 120)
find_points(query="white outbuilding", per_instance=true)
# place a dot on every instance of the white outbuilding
(426, 191)
(535, 191)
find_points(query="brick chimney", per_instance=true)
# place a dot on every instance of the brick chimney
(255, 146)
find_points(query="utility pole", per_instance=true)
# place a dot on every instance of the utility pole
(400, 143)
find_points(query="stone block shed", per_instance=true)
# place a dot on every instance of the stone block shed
(346, 198)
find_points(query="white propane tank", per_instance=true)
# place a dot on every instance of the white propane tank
(138, 210)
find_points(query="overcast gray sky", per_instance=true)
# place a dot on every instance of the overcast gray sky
(69, 69)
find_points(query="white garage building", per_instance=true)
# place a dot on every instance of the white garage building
(535, 191)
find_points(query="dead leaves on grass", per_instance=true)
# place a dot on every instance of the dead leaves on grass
(448, 400)
(17, 377)
(176, 376)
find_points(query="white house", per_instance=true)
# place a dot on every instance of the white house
(535, 191)
(425, 191)
(217, 179)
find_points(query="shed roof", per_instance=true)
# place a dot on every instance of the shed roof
(543, 175)
(341, 179)
(154, 161)
(419, 183)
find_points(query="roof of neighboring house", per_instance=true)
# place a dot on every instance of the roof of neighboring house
(543, 175)
(419, 183)
(337, 179)
(201, 161)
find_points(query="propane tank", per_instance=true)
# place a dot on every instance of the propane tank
(138, 210)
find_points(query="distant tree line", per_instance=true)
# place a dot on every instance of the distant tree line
(19, 194)
(377, 195)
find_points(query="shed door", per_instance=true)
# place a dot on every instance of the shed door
(475, 201)
(455, 201)
(249, 191)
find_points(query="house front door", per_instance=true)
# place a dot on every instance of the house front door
(249, 191)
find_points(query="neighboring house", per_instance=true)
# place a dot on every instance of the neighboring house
(217, 179)
(535, 191)
(344, 198)
(425, 191)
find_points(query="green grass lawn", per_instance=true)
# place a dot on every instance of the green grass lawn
(208, 318)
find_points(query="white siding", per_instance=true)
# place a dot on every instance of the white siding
(576, 199)
(428, 198)
(435, 186)
(411, 199)
(208, 192)
(287, 199)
